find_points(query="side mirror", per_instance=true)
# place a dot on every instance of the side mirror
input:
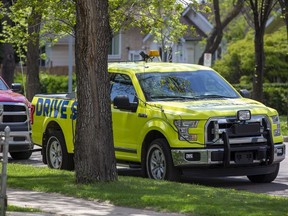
(16, 87)
(122, 102)
(245, 93)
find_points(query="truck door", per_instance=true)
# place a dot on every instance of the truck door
(126, 123)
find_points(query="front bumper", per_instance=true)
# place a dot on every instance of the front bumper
(199, 157)
(20, 141)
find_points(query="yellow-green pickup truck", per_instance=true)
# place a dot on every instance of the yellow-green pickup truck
(171, 119)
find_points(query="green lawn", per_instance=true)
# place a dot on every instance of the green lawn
(137, 192)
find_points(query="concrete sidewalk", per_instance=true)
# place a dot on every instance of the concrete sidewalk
(56, 204)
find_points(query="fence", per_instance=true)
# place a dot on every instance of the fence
(4, 148)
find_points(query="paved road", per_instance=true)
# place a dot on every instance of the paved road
(278, 187)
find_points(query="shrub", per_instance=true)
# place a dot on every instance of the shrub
(50, 83)
(275, 95)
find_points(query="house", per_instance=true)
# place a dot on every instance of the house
(127, 45)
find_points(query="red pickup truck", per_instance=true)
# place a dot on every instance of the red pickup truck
(15, 112)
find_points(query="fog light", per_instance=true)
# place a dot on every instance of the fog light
(279, 151)
(192, 156)
(243, 115)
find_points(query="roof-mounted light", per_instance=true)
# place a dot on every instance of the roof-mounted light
(153, 53)
(150, 56)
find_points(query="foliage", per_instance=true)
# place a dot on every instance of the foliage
(159, 18)
(164, 196)
(50, 83)
(58, 20)
(238, 61)
(284, 124)
(275, 95)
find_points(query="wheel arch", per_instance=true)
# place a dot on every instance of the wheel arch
(150, 136)
(51, 126)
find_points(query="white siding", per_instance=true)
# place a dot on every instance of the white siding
(58, 56)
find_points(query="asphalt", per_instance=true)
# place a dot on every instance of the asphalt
(52, 204)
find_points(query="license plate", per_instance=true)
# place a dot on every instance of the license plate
(246, 129)
(243, 157)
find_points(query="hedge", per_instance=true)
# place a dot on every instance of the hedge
(275, 95)
(50, 83)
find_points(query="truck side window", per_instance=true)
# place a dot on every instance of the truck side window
(121, 84)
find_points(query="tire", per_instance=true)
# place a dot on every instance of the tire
(159, 164)
(265, 178)
(21, 155)
(56, 152)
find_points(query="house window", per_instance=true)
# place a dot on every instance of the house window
(114, 48)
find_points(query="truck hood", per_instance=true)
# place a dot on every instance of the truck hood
(204, 109)
(10, 96)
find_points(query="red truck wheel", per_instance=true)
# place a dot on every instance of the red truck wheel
(21, 155)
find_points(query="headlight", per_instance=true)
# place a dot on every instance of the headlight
(183, 129)
(276, 120)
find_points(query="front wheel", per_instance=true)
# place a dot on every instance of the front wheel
(56, 152)
(159, 164)
(265, 178)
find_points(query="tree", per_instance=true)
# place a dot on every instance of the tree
(235, 64)
(8, 61)
(56, 19)
(261, 10)
(33, 54)
(161, 19)
(215, 37)
(94, 151)
(284, 9)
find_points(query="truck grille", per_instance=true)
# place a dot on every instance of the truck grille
(13, 113)
(248, 132)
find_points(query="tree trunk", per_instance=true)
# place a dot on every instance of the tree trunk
(94, 151)
(33, 56)
(215, 38)
(257, 93)
(261, 11)
(8, 64)
(284, 8)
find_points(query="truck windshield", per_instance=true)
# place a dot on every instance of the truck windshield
(194, 85)
(3, 86)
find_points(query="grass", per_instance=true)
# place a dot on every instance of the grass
(22, 209)
(137, 192)
(284, 125)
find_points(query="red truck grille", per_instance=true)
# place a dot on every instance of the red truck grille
(14, 113)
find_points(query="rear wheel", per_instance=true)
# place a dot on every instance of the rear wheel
(56, 152)
(21, 155)
(265, 178)
(159, 164)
